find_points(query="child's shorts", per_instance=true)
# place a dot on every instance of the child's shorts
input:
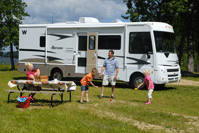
(150, 93)
(84, 88)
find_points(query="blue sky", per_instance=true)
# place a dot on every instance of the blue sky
(43, 11)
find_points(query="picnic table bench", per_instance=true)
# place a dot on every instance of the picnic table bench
(49, 87)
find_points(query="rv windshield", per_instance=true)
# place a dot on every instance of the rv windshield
(165, 42)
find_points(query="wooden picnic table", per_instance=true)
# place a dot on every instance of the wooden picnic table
(48, 87)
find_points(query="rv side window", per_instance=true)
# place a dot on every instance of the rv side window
(140, 42)
(82, 43)
(109, 42)
(42, 41)
(91, 42)
(82, 61)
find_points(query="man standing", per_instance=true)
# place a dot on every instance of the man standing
(111, 71)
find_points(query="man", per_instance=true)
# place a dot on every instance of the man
(111, 71)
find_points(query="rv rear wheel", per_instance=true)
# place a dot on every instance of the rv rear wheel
(136, 80)
(57, 74)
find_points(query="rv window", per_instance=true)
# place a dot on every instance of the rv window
(91, 42)
(42, 41)
(81, 61)
(140, 42)
(82, 43)
(109, 42)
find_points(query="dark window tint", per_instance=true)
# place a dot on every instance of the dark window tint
(91, 42)
(140, 42)
(42, 41)
(82, 43)
(81, 61)
(165, 42)
(109, 42)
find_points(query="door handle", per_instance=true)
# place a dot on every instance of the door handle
(95, 55)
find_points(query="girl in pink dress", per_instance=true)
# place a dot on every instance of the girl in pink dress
(149, 84)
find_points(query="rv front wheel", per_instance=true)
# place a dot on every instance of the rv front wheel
(57, 74)
(136, 80)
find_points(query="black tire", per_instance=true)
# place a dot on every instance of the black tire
(57, 74)
(136, 80)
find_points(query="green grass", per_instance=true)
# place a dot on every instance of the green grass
(175, 108)
(191, 78)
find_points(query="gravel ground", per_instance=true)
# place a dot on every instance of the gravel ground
(185, 82)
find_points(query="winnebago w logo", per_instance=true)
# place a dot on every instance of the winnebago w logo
(24, 32)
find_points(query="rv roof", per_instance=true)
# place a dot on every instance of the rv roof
(89, 22)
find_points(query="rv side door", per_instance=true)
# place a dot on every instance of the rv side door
(91, 51)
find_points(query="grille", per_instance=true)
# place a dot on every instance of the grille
(172, 70)
(172, 79)
(173, 75)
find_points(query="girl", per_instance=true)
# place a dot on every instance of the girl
(149, 84)
(30, 74)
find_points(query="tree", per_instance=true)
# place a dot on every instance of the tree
(12, 12)
(182, 14)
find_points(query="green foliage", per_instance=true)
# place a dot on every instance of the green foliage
(12, 12)
(4, 67)
(183, 15)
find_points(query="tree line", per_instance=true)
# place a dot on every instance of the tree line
(183, 15)
(12, 12)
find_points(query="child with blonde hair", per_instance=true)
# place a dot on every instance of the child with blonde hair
(32, 71)
(30, 74)
(85, 81)
(149, 84)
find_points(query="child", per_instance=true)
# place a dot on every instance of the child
(149, 84)
(30, 74)
(32, 71)
(86, 80)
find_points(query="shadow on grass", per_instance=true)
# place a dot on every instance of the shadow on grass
(18, 78)
(138, 101)
(42, 102)
(164, 88)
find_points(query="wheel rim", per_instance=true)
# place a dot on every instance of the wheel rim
(138, 81)
(57, 75)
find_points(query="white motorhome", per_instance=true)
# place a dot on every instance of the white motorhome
(73, 48)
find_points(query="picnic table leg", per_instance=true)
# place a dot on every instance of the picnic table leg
(20, 90)
(52, 100)
(62, 98)
(9, 96)
(70, 96)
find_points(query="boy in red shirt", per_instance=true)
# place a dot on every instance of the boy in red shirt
(85, 81)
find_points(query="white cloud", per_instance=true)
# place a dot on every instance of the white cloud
(42, 11)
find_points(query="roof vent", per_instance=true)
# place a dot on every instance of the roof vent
(118, 21)
(72, 22)
(88, 20)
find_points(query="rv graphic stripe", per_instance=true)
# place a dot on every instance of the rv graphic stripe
(60, 36)
(36, 50)
(138, 60)
(50, 58)
(99, 57)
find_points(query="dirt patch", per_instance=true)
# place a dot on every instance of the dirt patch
(193, 120)
(141, 125)
(186, 82)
